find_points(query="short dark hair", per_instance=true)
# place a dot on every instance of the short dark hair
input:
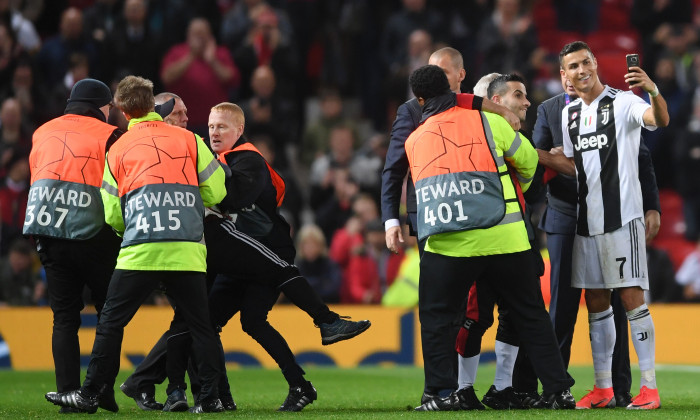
(429, 81)
(573, 47)
(498, 86)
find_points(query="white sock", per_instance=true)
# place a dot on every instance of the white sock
(602, 333)
(644, 341)
(505, 360)
(467, 370)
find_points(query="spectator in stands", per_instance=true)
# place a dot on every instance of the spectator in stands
(678, 42)
(269, 113)
(507, 40)
(661, 143)
(31, 97)
(266, 46)
(27, 36)
(688, 276)
(317, 133)
(372, 267)
(362, 167)
(240, 19)
(201, 72)
(133, 47)
(349, 237)
(100, 18)
(15, 134)
(647, 16)
(323, 273)
(78, 69)
(414, 14)
(54, 58)
(13, 200)
(30, 9)
(9, 52)
(20, 281)
(687, 164)
(420, 46)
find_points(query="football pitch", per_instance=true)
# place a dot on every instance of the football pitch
(361, 393)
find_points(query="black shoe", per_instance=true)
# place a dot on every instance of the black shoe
(427, 396)
(467, 399)
(299, 397)
(501, 400)
(623, 399)
(448, 403)
(106, 400)
(69, 410)
(228, 403)
(341, 329)
(527, 399)
(562, 400)
(211, 406)
(177, 401)
(73, 399)
(144, 400)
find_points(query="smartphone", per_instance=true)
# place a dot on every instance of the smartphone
(632, 60)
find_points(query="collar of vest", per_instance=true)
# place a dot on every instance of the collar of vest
(438, 104)
(85, 109)
(151, 116)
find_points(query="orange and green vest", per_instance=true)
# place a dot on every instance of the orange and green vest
(66, 163)
(157, 181)
(156, 172)
(453, 166)
(467, 134)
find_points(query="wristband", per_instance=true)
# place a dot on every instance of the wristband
(477, 101)
(654, 93)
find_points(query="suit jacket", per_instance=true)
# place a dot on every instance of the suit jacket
(561, 190)
(408, 117)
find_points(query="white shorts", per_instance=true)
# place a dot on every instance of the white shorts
(611, 260)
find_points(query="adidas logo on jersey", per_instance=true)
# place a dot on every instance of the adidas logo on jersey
(592, 142)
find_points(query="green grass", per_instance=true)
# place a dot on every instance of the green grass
(363, 393)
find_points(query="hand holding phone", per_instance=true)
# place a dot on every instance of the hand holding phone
(632, 61)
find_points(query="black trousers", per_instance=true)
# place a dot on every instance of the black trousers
(564, 305)
(252, 277)
(127, 291)
(237, 255)
(227, 297)
(254, 301)
(443, 289)
(153, 368)
(70, 266)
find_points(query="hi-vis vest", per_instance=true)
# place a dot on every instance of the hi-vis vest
(277, 180)
(155, 167)
(453, 162)
(66, 163)
(253, 220)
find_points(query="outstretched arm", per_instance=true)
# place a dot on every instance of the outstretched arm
(556, 160)
(657, 115)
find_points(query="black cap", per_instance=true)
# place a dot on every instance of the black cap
(91, 91)
(165, 108)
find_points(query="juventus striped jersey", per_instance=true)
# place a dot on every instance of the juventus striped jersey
(603, 138)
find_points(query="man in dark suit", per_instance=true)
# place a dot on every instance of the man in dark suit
(408, 117)
(559, 223)
(396, 166)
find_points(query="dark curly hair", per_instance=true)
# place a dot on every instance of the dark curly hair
(429, 81)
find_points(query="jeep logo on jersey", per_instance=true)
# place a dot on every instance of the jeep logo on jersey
(592, 142)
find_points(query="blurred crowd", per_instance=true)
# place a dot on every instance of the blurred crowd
(320, 82)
